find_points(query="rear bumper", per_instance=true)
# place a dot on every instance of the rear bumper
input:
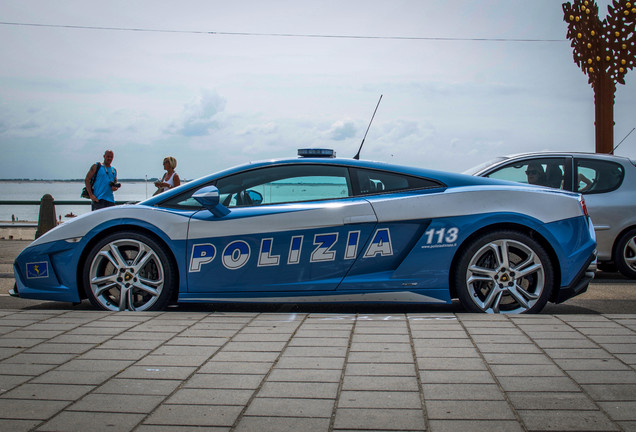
(580, 283)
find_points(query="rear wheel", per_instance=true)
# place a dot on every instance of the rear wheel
(504, 272)
(625, 254)
(129, 271)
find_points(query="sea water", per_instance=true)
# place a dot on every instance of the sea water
(130, 191)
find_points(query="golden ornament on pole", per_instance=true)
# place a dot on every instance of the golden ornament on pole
(613, 39)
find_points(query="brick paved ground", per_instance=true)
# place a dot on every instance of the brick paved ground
(195, 371)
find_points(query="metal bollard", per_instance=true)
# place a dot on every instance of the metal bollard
(46, 220)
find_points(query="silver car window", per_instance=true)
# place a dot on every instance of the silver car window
(543, 172)
(597, 176)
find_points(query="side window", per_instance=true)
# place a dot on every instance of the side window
(543, 172)
(372, 182)
(284, 184)
(597, 176)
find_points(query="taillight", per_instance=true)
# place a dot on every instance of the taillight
(583, 206)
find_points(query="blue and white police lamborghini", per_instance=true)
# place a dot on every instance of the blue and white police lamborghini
(322, 229)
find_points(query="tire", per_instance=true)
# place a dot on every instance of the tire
(504, 272)
(129, 271)
(625, 254)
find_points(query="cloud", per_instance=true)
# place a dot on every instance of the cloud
(342, 130)
(199, 117)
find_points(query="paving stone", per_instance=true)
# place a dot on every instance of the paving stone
(195, 415)
(282, 424)
(562, 420)
(172, 360)
(527, 370)
(620, 411)
(75, 421)
(74, 377)
(24, 369)
(147, 343)
(532, 384)
(287, 362)
(597, 353)
(65, 392)
(262, 337)
(551, 401)
(379, 399)
(305, 375)
(381, 347)
(120, 404)
(590, 364)
(161, 387)
(10, 342)
(380, 369)
(7, 382)
(224, 381)
(380, 338)
(604, 377)
(512, 348)
(319, 342)
(192, 341)
(241, 356)
(289, 407)
(213, 396)
(30, 409)
(475, 426)
(392, 383)
(437, 363)
(469, 409)
(559, 343)
(41, 358)
(255, 346)
(611, 392)
(94, 365)
(112, 354)
(18, 425)
(462, 391)
(456, 377)
(448, 352)
(380, 419)
(313, 333)
(517, 359)
(216, 367)
(299, 390)
(80, 339)
(303, 351)
(157, 372)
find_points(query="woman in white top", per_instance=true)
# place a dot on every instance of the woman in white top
(170, 179)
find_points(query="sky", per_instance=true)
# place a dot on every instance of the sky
(220, 83)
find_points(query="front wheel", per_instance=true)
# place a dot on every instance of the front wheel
(128, 271)
(504, 272)
(625, 254)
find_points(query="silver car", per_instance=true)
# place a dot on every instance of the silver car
(607, 182)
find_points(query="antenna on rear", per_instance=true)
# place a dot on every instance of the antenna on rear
(357, 156)
(630, 132)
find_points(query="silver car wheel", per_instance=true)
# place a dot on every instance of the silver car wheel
(625, 254)
(126, 274)
(505, 276)
(629, 253)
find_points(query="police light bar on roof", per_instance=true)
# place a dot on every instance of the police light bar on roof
(316, 152)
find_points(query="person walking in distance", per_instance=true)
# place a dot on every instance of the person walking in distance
(101, 191)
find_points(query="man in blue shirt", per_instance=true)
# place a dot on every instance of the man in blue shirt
(101, 190)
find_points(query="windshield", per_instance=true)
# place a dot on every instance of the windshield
(474, 170)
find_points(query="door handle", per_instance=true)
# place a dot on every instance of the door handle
(349, 220)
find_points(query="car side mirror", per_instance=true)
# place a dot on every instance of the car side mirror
(209, 198)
